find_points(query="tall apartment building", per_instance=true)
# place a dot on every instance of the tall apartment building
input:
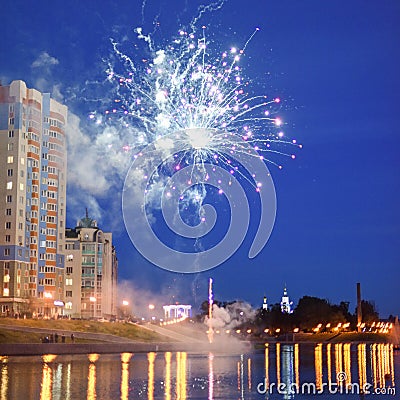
(33, 200)
(90, 272)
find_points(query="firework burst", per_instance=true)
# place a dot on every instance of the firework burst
(184, 87)
(197, 125)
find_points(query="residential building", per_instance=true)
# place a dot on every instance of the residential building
(90, 272)
(33, 201)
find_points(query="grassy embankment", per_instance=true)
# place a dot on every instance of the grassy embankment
(125, 330)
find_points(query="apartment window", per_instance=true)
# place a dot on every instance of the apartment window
(9, 185)
(8, 238)
(21, 186)
(10, 159)
(11, 133)
(9, 198)
(10, 146)
(8, 211)
(22, 161)
(7, 251)
(68, 293)
(69, 270)
(11, 121)
(8, 225)
(68, 281)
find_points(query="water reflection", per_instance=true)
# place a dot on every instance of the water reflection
(318, 366)
(210, 376)
(182, 376)
(125, 358)
(167, 357)
(91, 389)
(47, 380)
(150, 385)
(353, 370)
(4, 378)
(287, 370)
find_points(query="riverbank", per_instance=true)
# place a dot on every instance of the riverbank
(27, 337)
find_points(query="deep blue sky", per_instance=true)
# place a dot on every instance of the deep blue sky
(336, 67)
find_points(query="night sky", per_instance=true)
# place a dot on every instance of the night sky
(335, 65)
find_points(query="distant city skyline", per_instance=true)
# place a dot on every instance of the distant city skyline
(335, 68)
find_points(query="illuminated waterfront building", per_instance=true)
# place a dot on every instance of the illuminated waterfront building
(177, 311)
(90, 271)
(286, 304)
(265, 304)
(32, 195)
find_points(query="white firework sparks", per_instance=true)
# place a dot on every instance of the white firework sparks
(183, 87)
(198, 126)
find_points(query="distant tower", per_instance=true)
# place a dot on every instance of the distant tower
(286, 304)
(265, 304)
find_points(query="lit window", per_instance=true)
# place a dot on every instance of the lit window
(9, 185)
(10, 159)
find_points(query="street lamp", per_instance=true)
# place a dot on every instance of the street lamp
(48, 296)
(125, 304)
(151, 308)
(92, 299)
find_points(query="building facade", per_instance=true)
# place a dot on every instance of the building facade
(91, 268)
(286, 304)
(33, 198)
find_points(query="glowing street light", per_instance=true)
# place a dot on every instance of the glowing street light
(125, 304)
(93, 300)
(48, 296)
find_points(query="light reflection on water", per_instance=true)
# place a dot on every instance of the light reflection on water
(209, 376)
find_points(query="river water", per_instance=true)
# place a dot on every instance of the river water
(277, 371)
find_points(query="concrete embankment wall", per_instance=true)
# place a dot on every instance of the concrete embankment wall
(20, 349)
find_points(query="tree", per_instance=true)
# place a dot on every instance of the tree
(369, 312)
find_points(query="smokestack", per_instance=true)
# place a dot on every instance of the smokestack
(359, 312)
